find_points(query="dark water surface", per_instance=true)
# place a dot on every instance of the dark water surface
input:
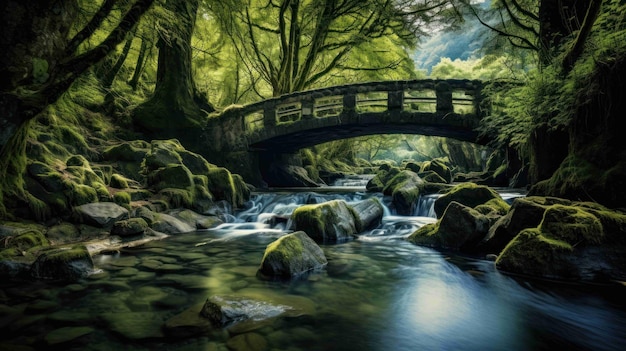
(378, 292)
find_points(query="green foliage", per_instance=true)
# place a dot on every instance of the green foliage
(545, 97)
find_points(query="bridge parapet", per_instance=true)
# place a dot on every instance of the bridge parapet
(431, 96)
(393, 106)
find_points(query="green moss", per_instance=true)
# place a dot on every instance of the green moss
(468, 194)
(531, 252)
(201, 180)
(498, 206)
(425, 235)
(401, 179)
(73, 140)
(196, 163)
(39, 208)
(118, 181)
(439, 167)
(178, 197)
(172, 176)
(77, 160)
(27, 240)
(40, 70)
(80, 194)
(572, 225)
(9, 253)
(125, 152)
(284, 249)
(222, 185)
(122, 198)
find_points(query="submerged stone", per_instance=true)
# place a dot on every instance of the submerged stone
(226, 310)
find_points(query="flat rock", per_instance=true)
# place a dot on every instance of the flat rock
(100, 214)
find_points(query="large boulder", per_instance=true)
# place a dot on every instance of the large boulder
(525, 212)
(369, 214)
(292, 255)
(404, 189)
(69, 263)
(100, 214)
(580, 242)
(460, 228)
(331, 221)
(468, 194)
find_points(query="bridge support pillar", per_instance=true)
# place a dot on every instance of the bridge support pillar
(395, 99)
(444, 97)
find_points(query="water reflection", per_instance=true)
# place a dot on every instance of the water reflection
(377, 293)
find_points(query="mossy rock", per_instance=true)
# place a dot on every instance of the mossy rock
(178, 197)
(292, 255)
(196, 163)
(525, 212)
(404, 188)
(385, 173)
(432, 177)
(570, 243)
(51, 179)
(403, 178)
(439, 167)
(146, 214)
(497, 207)
(122, 198)
(535, 254)
(26, 240)
(118, 181)
(69, 263)
(80, 194)
(173, 176)
(104, 172)
(413, 166)
(125, 152)
(221, 184)
(331, 221)
(161, 157)
(460, 228)
(77, 161)
(129, 227)
(468, 194)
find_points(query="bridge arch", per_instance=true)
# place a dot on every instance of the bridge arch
(284, 124)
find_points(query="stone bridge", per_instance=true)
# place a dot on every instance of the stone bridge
(284, 124)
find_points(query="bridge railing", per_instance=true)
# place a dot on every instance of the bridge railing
(441, 97)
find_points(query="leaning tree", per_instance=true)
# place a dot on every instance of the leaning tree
(42, 54)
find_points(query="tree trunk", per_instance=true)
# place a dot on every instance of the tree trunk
(172, 106)
(37, 66)
(109, 77)
(141, 61)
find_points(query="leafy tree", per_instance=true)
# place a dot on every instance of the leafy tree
(42, 55)
(292, 45)
(174, 103)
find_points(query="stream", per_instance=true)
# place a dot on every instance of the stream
(378, 292)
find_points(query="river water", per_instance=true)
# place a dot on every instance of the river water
(378, 292)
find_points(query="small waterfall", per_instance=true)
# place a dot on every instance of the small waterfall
(426, 206)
